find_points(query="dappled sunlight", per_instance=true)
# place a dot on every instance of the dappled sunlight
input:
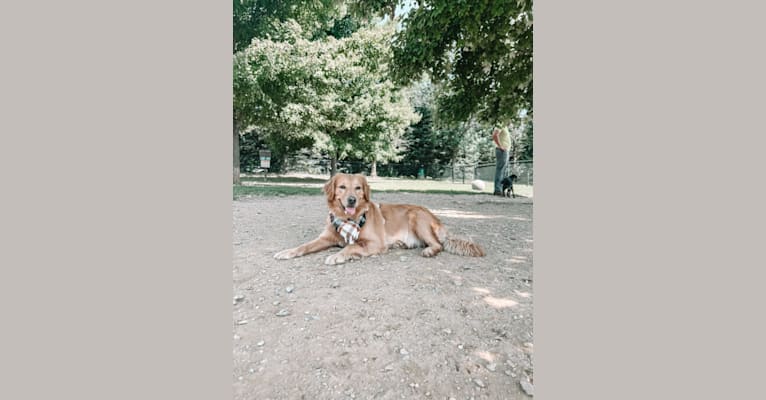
(485, 355)
(523, 294)
(481, 290)
(499, 302)
(448, 213)
(485, 294)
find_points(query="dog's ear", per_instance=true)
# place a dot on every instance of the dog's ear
(329, 188)
(365, 188)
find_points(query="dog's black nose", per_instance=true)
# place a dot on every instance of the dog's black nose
(351, 200)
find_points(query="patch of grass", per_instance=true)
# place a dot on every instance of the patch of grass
(267, 190)
(429, 191)
(281, 179)
(270, 190)
(312, 185)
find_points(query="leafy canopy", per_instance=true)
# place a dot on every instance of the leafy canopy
(333, 93)
(481, 50)
(259, 18)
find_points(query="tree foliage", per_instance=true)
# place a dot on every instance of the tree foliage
(258, 18)
(332, 93)
(526, 142)
(481, 50)
(305, 77)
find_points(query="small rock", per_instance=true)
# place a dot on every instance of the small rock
(447, 331)
(283, 313)
(403, 352)
(289, 289)
(238, 298)
(403, 258)
(261, 343)
(276, 303)
(492, 367)
(528, 388)
(334, 285)
(243, 322)
(528, 348)
(389, 367)
(479, 383)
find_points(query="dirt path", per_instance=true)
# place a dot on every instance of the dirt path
(396, 326)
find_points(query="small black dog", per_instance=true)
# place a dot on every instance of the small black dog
(507, 183)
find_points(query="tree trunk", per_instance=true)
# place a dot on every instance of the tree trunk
(374, 169)
(236, 155)
(333, 165)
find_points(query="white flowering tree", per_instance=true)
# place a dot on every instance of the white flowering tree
(254, 18)
(332, 94)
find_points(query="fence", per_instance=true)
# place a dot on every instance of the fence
(522, 169)
(456, 173)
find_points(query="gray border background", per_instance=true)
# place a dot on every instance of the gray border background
(116, 212)
(648, 203)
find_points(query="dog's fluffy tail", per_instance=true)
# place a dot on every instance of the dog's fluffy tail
(463, 247)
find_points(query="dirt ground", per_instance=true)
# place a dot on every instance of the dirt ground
(395, 326)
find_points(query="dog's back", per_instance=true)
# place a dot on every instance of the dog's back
(411, 226)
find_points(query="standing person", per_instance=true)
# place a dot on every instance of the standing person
(502, 144)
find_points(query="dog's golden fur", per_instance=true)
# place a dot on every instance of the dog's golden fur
(386, 226)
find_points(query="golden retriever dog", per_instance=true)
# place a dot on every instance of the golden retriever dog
(363, 228)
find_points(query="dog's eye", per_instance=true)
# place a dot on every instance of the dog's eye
(342, 186)
(358, 188)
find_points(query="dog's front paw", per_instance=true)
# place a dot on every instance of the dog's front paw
(336, 258)
(286, 254)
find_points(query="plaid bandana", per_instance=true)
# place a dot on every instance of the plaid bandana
(348, 229)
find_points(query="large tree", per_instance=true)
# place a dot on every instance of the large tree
(259, 19)
(332, 93)
(481, 51)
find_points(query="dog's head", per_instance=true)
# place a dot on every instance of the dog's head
(347, 195)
